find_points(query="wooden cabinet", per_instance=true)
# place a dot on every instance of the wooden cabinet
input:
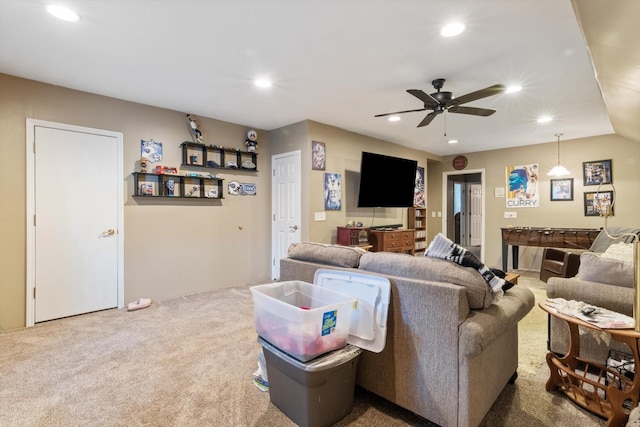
(352, 236)
(417, 219)
(392, 241)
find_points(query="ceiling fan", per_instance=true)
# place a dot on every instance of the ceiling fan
(440, 102)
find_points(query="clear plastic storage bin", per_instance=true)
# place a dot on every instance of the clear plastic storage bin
(301, 319)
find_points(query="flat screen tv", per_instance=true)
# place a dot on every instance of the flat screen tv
(386, 182)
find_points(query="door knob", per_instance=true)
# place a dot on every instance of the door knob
(109, 232)
(293, 227)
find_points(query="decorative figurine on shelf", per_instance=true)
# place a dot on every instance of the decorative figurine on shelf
(143, 164)
(171, 184)
(252, 141)
(193, 190)
(197, 134)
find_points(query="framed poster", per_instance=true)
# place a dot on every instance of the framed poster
(318, 155)
(332, 191)
(562, 189)
(597, 202)
(418, 193)
(151, 150)
(522, 186)
(598, 172)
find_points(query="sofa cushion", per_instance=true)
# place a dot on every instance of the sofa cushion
(432, 269)
(595, 268)
(340, 256)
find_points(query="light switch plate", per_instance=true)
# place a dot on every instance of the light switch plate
(320, 216)
(511, 214)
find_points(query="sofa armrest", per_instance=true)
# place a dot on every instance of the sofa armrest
(559, 263)
(612, 297)
(553, 254)
(483, 327)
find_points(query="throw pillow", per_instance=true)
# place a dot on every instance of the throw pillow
(340, 256)
(595, 268)
(620, 251)
(443, 248)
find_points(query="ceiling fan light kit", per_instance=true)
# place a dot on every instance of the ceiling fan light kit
(444, 101)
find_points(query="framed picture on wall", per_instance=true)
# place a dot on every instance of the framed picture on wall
(418, 193)
(597, 202)
(562, 189)
(318, 155)
(598, 172)
(332, 191)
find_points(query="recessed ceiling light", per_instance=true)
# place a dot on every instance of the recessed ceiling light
(452, 29)
(452, 141)
(262, 83)
(63, 13)
(513, 89)
(545, 119)
(394, 119)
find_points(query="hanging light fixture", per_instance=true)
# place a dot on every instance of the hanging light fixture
(559, 170)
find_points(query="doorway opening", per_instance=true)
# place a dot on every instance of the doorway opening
(463, 216)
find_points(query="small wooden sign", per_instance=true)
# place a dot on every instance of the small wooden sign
(460, 162)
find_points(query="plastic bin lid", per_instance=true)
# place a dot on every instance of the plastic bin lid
(368, 328)
(323, 362)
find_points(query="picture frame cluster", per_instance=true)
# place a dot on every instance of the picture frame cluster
(594, 173)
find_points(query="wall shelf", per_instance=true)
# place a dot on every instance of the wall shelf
(214, 157)
(151, 185)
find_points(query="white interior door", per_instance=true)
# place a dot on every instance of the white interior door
(77, 221)
(475, 214)
(286, 206)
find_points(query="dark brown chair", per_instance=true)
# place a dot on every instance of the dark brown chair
(559, 263)
(565, 262)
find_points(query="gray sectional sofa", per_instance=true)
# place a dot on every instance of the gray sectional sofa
(450, 349)
(600, 281)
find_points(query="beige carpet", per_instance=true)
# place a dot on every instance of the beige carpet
(188, 362)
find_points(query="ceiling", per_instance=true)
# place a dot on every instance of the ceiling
(340, 62)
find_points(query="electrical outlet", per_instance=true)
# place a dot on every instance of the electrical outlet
(511, 214)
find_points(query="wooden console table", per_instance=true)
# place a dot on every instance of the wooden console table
(352, 236)
(591, 392)
(574, 238)
(392, 241)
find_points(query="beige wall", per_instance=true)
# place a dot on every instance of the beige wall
(625, 155)
(343, 149)
(172, 247)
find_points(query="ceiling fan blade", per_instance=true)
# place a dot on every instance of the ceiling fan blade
(427, 119)
(479, 94)
(471, 110)
(424, 97)
(399, 112)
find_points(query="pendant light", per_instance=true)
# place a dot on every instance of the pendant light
(559, 170)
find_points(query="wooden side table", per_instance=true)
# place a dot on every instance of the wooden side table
(591, 392)
(512, 277)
